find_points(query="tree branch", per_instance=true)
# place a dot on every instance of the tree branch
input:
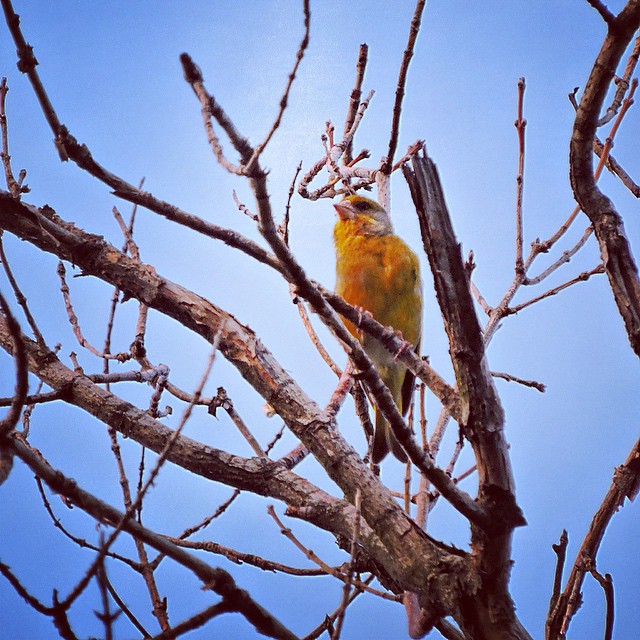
(213, 578)
(617, 258)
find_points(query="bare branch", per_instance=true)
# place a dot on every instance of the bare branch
(614, 166)
(213, 578)
(604, 12)
(354, 100)
(15, 187)
(560, 550)
(608, 225)
(400, 88)
(239, 557)
(527, 383)
(308, 553)
(285, 96)
(348, 582)
(563, 259)
(222, 400)
(520, 124)
(20, 297)
(17, 349)
(582, 277)
(606, 582)
(626, 483)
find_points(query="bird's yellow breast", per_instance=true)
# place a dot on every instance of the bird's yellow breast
(380, 274)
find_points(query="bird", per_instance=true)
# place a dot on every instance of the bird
(378, 272)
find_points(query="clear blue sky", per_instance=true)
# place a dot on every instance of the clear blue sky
(113, 74)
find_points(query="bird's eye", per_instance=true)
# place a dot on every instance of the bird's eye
(361, 206)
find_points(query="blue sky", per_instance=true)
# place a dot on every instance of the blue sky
(112, 72)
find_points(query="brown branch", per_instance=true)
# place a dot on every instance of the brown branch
(32, 601)
(622, 84)
(20, 297)
(195, 621)
(81, 542)
(213, 578)
(313, 557)
(618, 260)
(414, 29)
(69, 149)
(625, 484)
(581, 277)
(127, 612)
(146, 570)
(604, 12)
(238, 557)
(614, 167)
(349, 580)
(9, 422)
(337, 173)
(520, 124)
(315, 340)
(222, 400)
(560, 550)
(327, 623)
(606, 582)
(296, 276)
(482, 416)
(354, 100)
(258, 476)
(608, 145)
(563, 259)
(285, 96)
(15, 187)
(527, 383)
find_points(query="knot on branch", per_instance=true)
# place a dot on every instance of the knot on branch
(27, 60)
(502, 508)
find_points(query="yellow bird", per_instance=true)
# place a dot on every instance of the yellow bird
(377, 271)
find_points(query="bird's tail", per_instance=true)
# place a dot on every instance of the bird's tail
(384, 441)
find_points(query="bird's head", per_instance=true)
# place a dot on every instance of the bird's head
(367, 215)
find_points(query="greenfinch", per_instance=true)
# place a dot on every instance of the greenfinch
(378, 272)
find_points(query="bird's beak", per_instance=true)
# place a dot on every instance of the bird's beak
(344, 210)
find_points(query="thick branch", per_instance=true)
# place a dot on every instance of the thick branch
(407, 553)
(490, 612)
(617, 258)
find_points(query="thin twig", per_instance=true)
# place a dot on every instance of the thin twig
(520, 124)
(606, 582)
(196, 621)
(238, 557)
(214, 578)
(622, 84)
(327, 623)
(285, 96)
(75, 325)
(527, 383)
(123, 607)
(20, 297)
(581, 277)
(9, 422)
(323, 565)
(311, 332)
(400, 87)
(346, 589)
(563, 259)
(16, 189)
(222, 400)
(354, 100)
